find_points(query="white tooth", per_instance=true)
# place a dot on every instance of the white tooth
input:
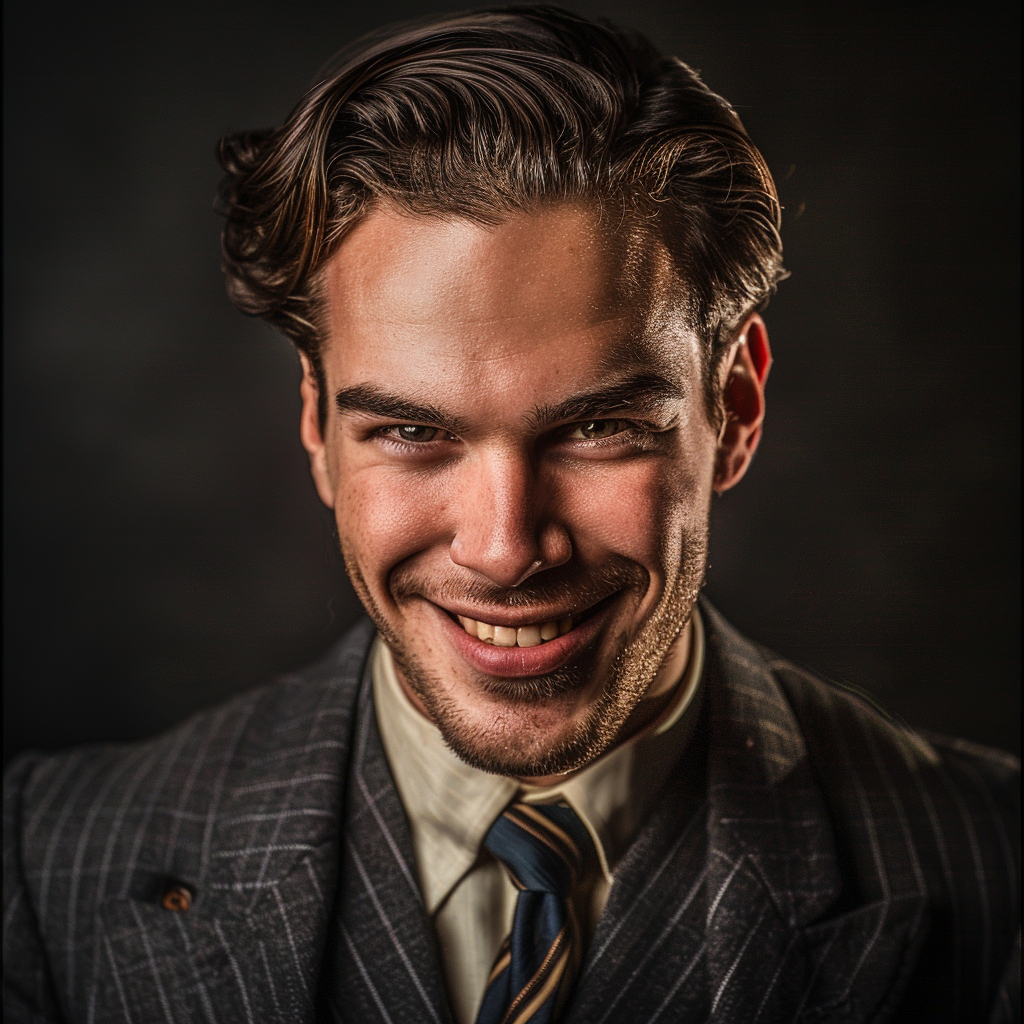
(469, 625)
(528, 636)
(564, 625)
(504, 636)
(549, 631)
(485, 632)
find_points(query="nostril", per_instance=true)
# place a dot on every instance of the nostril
(533, 567)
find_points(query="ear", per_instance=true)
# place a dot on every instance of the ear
(311, 435)
(743, 399)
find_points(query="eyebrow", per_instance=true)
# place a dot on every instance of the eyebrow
(640, 390)
(375, 401)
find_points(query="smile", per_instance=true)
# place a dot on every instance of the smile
(531, 635)
(525, 644)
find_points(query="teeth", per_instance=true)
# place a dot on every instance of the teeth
(528, 636)
(524, 636)
(504, 636)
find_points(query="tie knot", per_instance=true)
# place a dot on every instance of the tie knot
(544, 847)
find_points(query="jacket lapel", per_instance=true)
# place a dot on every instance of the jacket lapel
(774, 950)
(648, 953)
(383, 962)
(263, 870)
(729, 906)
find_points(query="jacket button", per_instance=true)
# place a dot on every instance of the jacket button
(177, 898)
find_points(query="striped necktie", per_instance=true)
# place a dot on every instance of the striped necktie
(545, 849)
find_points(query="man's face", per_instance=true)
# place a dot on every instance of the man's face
(520, 464)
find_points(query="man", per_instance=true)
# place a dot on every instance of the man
(523, 258)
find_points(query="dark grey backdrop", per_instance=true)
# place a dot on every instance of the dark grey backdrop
(163, 546)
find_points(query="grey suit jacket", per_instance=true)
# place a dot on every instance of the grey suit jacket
(808, 861)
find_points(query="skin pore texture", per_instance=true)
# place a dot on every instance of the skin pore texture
(517, 435)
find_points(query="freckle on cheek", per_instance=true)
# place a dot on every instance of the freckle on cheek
(390, 524)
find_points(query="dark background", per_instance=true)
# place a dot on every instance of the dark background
(164, 547)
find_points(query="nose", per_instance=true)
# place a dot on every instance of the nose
(504, 530)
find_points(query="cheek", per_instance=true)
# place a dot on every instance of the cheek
(640, 510)
(385, 517)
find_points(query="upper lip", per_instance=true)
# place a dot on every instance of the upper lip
(515, 617)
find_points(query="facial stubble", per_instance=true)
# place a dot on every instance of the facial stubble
(514, 744)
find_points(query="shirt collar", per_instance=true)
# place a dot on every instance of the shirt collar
(452, 805)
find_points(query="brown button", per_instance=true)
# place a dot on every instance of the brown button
(178, 898)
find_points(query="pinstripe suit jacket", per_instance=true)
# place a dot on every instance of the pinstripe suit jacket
(808, 861)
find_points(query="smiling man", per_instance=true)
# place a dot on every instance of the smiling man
(523, 258)
(499, 395)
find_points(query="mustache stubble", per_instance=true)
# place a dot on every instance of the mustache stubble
(570, 585)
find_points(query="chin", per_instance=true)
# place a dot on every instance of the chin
(524, 742)
(527, 727)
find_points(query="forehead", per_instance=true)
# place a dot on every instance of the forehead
(558, 293)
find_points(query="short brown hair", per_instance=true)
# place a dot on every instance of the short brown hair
(486, 113)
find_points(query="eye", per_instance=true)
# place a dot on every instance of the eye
(597, 430)
(414, 432)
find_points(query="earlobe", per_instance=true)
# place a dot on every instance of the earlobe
(311, 435)
(743, 402)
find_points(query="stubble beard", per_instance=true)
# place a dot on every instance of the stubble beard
(508, 746)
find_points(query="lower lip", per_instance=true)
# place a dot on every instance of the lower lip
(519, 662)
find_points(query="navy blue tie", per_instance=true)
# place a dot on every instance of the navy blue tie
(546, 850)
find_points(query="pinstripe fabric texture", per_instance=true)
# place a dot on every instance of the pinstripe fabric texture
(807, 861)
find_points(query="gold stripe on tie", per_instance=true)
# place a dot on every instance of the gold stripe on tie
(515, 881)
(549, 834)
(548, 974)
(503, 959)
(538, 1001)
(548, 824)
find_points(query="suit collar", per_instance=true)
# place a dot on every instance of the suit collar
(264, 874)
(284, 787)
(382, 961)
(765, 806)
(785, 938)
(732, 906)
(342, 848)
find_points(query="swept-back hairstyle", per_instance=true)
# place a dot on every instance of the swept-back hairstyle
(486, 113)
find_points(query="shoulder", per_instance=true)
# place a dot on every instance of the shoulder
(844, 727)
(952, 803)
(93, 801)
(105, 828)
(919, 812)
(936, 811)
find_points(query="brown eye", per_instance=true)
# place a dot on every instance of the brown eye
(413, 432)
(596, 430)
